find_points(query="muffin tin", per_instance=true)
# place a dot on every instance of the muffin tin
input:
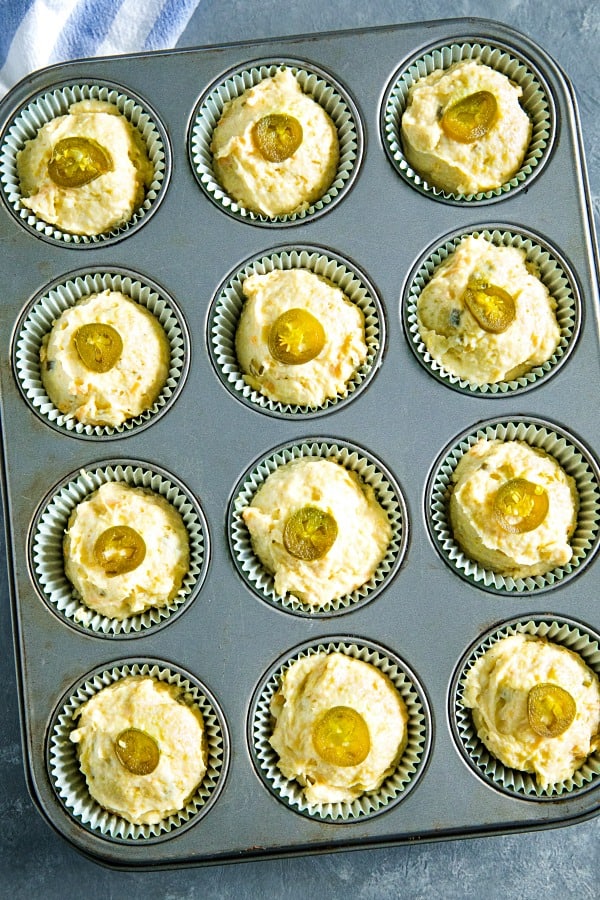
(403, 423)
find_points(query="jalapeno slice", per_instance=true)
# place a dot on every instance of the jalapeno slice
(550, 709)
(119, 549)
(520, 505)
(309, 533)
(493, 308)
(98, 345)
(277, 136)
(470, 118)
(76, 161)
(137, 751)
(296, 337)
(341, 736)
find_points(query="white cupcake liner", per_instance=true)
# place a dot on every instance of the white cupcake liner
(575, 459)
(46, 559)
(564, 632)
(39, 316)
(396, 786)
(69, 782)
(315, 82)
(371, 472)
(56, 102)
(536, 100)
(553, 272)
(227, 305)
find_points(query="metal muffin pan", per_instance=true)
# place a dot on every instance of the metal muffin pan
(382, 227)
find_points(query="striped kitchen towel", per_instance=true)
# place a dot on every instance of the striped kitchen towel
(37, 33)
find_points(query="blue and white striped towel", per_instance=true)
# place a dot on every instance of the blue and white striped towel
(37, 33)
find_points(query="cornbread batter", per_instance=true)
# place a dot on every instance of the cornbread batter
(548, 733)
(126, 549)
(93, 138)
(513, 508)
(485, 316)
(338, 505)
(340, 726)
(275, 184)
(141, 748)
(336, 338)
(453, 158)
(97, 376)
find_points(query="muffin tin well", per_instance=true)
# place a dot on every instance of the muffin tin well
(47, 105)
(210, 441)
(229, 299)
(575, 459)
(553, 272)
(39, 316)
(317, 84)
(559, 631)
(50, 524)
(370, 472)
(536, 100)
(69, 783)
(410, 765)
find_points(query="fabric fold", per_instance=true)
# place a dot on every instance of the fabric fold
(40, 33)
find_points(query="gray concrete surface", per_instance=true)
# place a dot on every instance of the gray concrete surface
(560, 863)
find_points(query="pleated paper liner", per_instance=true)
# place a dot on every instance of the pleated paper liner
(536, 100)
(317, 84)
(46, 560)
(552, 271)
(396, 786)
(69, 782)
(39, 316)
(570, 453)
(55, 102)
(371, 471)
(575, 636)
(226, 309)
